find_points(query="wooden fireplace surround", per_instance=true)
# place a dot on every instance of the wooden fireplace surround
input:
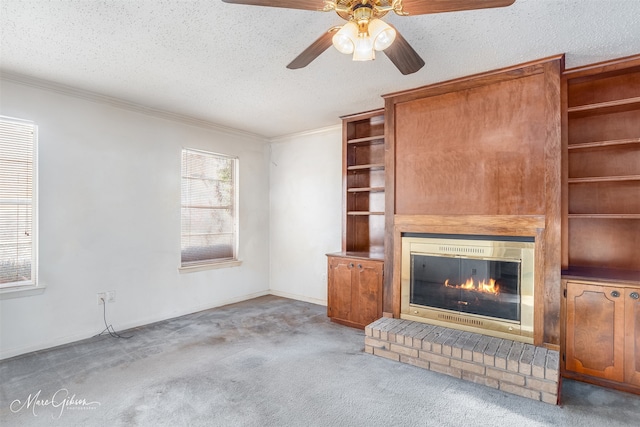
(480, 155)
(532, 150)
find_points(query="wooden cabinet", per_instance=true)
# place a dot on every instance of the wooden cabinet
(355, 289)
(602, 159)
(356, 273)
(602, 333)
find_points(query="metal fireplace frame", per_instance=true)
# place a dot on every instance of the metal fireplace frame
(501, 249)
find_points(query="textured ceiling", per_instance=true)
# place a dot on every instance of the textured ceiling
(225, 63)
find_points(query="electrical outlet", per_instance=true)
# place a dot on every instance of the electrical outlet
(102, 297)
(111, 296)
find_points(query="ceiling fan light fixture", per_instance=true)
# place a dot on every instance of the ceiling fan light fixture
(364, 49)
(382, 34)
(343, 40)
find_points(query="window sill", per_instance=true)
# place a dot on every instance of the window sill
(21, 291)
(212, 266)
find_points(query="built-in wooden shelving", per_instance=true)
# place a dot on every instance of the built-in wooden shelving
(603, 157)
(607, 107)
(355, 274)
(602, 224)
(604, 216)
(604, 179)
(354, 213)
(600, 144)
(365, 189)
(375, 139)
(374, 166)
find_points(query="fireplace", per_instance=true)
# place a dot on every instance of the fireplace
(480, 284)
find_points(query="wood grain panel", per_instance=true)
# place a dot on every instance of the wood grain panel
(593, 334)
(499, 225)
(390, 299)
(364, 128)
(610, 243)
(606, 87)
(605, 198)
(605, 161)
(564, 201)
(548, 293)
(363, 179)
(369, 300)
(365, 233)
(355, 284)
(470, 82)
(632, 336)
(594, 331)
(339, 295)
(610, 67)
(365, 154)
(605, 127)
(476, 151)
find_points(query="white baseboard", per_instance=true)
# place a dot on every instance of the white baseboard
(298, 297)
(124, 326)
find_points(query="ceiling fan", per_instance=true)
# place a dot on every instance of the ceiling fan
(365, 33)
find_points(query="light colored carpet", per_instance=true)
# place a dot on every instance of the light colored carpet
(268, 362)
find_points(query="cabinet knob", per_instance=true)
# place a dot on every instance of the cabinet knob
(351, 265)
(359, 265)
(634, 295)
(615, 294)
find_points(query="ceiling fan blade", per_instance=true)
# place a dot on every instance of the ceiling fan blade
(421, 7)
(289, 4)
(314, 50)
(403, 56)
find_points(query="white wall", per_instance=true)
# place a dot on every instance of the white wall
(110, 220)
(305, 217)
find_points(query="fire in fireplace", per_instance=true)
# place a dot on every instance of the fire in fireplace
(471, 283)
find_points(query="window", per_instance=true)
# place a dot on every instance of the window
(18, 212)
(209, 208)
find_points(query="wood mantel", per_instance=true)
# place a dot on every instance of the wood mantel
(480, 155)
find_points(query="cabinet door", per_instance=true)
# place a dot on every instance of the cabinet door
(595, 330)
(367, 292)
(339, 304)
(632, 335)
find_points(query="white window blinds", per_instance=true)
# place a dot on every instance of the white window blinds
(17, 203)
(209, 211)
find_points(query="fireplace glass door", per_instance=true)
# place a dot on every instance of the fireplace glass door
(485, 287)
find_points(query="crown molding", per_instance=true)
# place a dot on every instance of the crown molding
(123, 104)
(285, 138)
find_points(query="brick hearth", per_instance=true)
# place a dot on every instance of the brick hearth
(510, 366)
